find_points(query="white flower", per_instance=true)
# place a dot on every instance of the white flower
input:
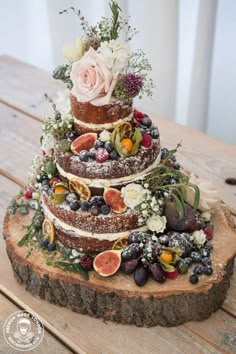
(75, 253)
(63, 101)
(115, 56)
(144, 213)
(208, 194)
(146, 185)
(156, 223)
(133, 194)
(199, 238)
(105, 136)
(74, 52)
(143, 206)
(47, 144)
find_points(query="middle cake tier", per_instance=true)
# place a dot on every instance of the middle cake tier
(111, 173)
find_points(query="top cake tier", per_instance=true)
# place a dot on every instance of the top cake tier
(90, 118)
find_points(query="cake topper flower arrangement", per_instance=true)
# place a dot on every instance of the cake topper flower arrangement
(101, 67)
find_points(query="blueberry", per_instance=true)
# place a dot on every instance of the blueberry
(97, 200)
(45, 188)
(155, 134)
(114, 155)
(84, 155)
(163, 240)
(85, 206)
(98, 144)
(143, 131)
(206, 261)
(172, 181)
(44, 243)
(176, 166)
(75, 205)
(50, 191)
(51, 247)
(94, 210)
(207, 270)
(105, 209)
(46, 182)
(147, 122)
(198, 270)
(72, 197)
(196, 257)
(193, 279)
(109, 146)
(164, 153)
(92, 153)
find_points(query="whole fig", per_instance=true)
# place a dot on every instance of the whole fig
(141, 275)
(191, 220)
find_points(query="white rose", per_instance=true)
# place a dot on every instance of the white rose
(208, 194)
(156, 223)
(133, 194)
(199, 237)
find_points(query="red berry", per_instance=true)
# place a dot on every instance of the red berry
(28, 193)
(138, 115)
(172, 275)
(146, 141)
(53, 181)
(209, 233)
(86, 262)
(101, 155)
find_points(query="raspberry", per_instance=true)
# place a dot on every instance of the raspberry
(138, 115)
(54, 180)
(102, 155)
(146, 141)
(28, 193)
(86, 262)
(208, 232)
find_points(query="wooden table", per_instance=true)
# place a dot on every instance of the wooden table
(22, 109)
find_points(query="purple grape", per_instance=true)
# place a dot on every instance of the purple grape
(141, 275)
(129, 267)
(157, 272)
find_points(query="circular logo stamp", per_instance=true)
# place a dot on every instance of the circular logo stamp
(23, 331)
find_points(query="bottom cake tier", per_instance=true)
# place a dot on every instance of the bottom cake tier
(117, 298)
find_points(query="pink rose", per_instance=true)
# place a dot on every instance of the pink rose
(92, 80)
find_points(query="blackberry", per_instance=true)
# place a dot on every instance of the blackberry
(86, 262)
(84, 155)
(98, 144)
(196, 257)
(193, 279)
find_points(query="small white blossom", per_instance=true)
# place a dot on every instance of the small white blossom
(76, 260)
(63, 103)
(146, 185)
(105, 135)
(75, 253)
(143, 206)
(144, 212)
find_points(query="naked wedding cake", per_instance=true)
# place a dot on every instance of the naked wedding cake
(104, 199)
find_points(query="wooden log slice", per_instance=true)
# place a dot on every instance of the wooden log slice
(117, 298)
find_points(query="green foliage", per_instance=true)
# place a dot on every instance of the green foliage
(34, 229)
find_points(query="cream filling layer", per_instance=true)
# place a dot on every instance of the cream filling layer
(81, 233)
(105, 183)
(103, 126)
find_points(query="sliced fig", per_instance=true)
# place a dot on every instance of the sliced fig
(115, 200)
(107, 263)
(83, 142)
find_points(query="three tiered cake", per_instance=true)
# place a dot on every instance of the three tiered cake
(111, 207)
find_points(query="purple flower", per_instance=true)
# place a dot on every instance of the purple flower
(132, 84)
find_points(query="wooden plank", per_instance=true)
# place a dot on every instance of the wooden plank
(83, 333)
(48, 345)
(19, 142)
(23, 86)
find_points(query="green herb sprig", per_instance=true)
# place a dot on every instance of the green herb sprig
(34, 229)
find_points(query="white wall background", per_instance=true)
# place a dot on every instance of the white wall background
(190, 43)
